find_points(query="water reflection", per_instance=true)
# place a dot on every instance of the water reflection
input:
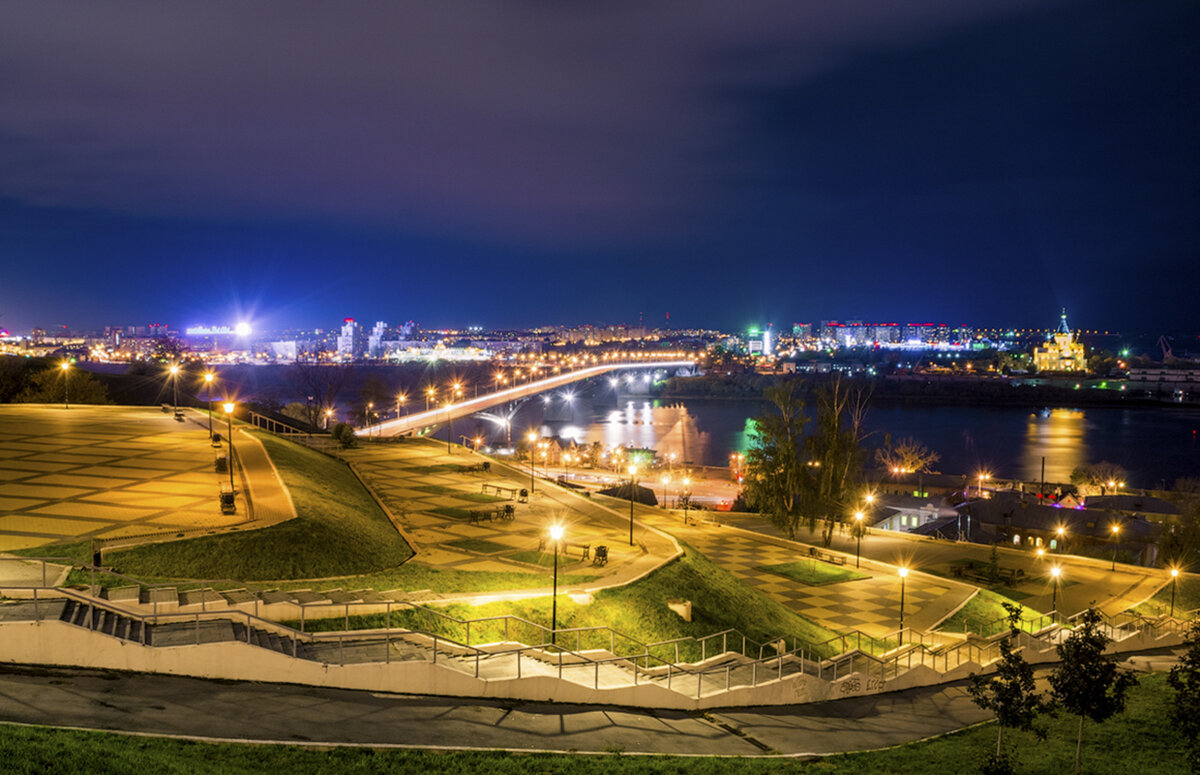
(664, 428)
(1058, 435)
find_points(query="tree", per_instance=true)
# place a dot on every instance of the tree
(50, 386)
(1010, 692)
(1096, 476)
(906, 455)
(343, 434)
(773, 466)
(1086, 683)
(831, 477)
(1184, 678)
(319, 384)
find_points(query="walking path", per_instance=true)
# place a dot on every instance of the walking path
(173, 705)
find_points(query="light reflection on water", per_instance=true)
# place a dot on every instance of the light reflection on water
(1153, 444)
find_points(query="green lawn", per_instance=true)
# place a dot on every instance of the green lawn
(1136, 741)
(813, 572)
(1187, 597)
(639, 610)
(983, 610)
(339, 530)
(479, 545)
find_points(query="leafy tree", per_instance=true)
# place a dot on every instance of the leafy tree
(343, 434)
(774, 470)
(54, 386)
(1185, 680)
(1086, 683)
(1010, 693)
(830, 482)
(907, 454)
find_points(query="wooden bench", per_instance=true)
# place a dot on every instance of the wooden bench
(832, 559)
(497, 490)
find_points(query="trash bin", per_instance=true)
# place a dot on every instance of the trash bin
(222, 463)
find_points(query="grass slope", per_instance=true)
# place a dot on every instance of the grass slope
(1187, 597)
(984, 609)
(813, 572)
(339, 530)
(639, 610)
(1136, 741)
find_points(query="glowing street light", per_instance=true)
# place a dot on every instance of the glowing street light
(208, 382)
(666, 481)
(401, 400)
(1061, 532)
(66, 372)
(632, 485)
(1174, 581)
(533, 437)
(229, 406)
(556, 534)
(429, 396)
(174, 371)
(1115, 530)
(903, 571)
(1055, 573)
(328, 415)
(858, 531)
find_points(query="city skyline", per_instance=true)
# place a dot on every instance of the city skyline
(988, 163)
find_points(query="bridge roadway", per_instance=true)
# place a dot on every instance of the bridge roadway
(418, 421)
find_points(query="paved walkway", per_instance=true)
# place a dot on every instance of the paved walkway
(1085, 581)
(103, 471)
(870, 602)
(432, 494)
(174, 705)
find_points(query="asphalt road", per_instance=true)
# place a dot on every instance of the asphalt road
(174, 705)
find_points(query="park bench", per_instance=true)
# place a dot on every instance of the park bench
(985, 573)
(228, 505)
(601, 557)
(506, 512)
(495, 489)
(833, 559)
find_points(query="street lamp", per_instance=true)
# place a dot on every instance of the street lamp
(66, 370)
(687, 497)
(1062, 538)
(175, 385)
(858, 528)
(370, 406)
(903, 571)
(556, 534)
(1055, 572)
(401, 400)
(429, 394)
(632, 484)
(666, 481)
(449, 435)
(208, 380)
(229, 406)
(533, 437)
(982, 476)
(1115, 529)
(1174, 580)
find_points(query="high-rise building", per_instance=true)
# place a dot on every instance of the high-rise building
(350, 342)
(375, 348)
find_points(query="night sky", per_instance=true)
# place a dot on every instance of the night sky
(522, 163)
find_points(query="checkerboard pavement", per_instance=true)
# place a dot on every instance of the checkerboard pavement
(869, 604)
(421, 483)
(103, 471)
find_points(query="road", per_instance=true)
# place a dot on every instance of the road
(225, 710)
(417, 421)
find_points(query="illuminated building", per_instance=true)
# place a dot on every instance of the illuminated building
(1062, 352)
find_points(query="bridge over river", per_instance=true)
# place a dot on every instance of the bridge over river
(418, 422)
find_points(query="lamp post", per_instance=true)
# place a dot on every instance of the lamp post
(208, 380)
(449, 435)
(687, 497)
(66, 370)
(328, 414)
(429, 394)
(1115, 529)
(175, 386)
(1062, 538)
(229, 407)
(1055, 572)
(1174, 579)
(401, 400)
(632, 484)
(533, 437)
(556, 534)
(858, 528)
(666, 481)
(903, 575)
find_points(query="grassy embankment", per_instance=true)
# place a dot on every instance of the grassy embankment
(1135, 741)
(1187, 598)
(339, 534)
(813, 572)
(983, 610)
(639, 610)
